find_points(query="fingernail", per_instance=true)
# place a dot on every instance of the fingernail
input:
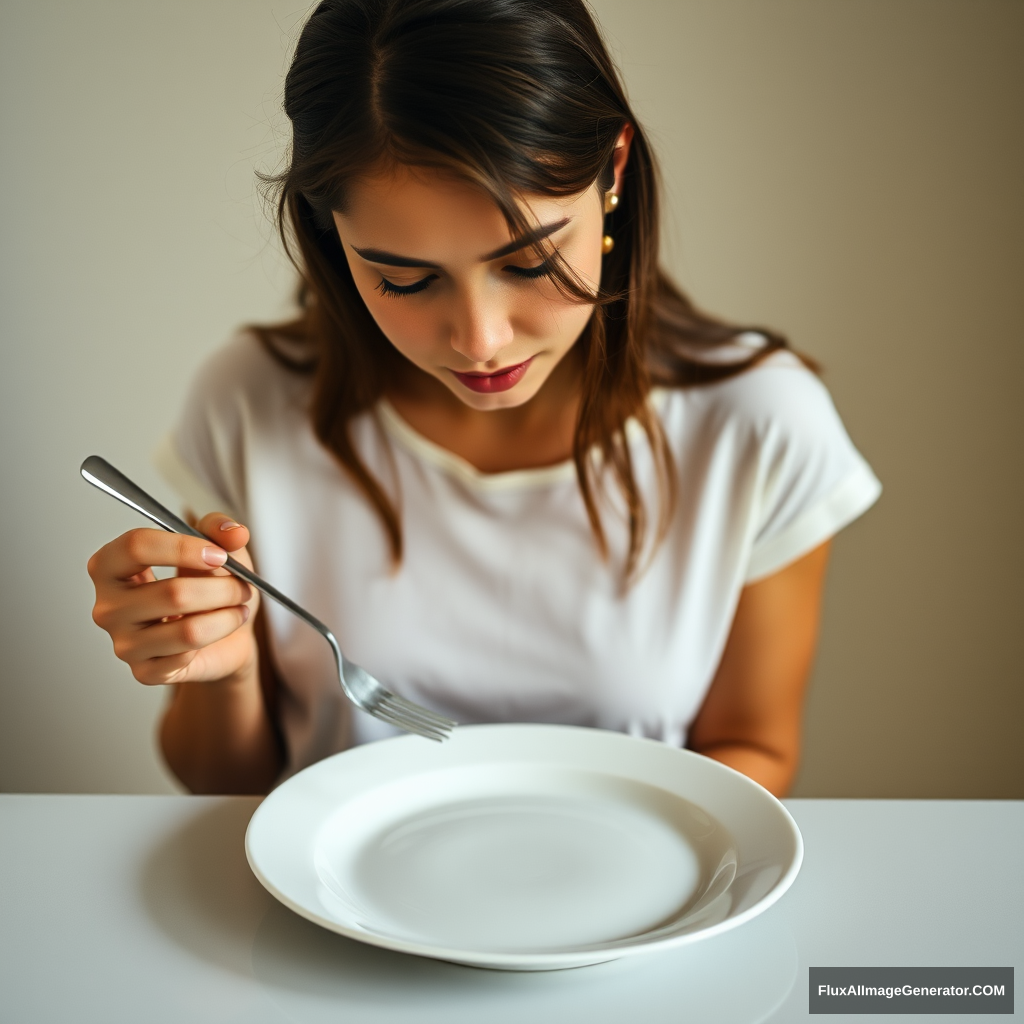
(214, 556)
(230, 524)
(245, 613)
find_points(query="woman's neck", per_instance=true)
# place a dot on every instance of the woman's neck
(538, 433)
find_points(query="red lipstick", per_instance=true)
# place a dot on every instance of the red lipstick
(500, 380)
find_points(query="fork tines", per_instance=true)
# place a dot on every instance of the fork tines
(412, 717)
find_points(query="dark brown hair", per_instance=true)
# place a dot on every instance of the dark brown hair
(518, 97)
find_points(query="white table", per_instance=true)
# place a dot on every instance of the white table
(143, 909)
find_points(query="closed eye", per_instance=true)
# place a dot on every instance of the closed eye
(544, 269)
(387, 287)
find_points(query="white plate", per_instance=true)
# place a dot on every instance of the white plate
(524, 847)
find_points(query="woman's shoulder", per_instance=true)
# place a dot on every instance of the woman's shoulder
(240, 397)
(780, 393)
(244, 379)
(772, 433)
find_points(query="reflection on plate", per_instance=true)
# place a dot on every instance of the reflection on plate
(523, 847)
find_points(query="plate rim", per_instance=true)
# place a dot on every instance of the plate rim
(540, 960)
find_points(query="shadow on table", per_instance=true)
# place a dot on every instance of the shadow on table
(197, 886)
(738, 978)
(199, 890)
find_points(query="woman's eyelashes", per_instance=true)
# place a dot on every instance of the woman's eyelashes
(530, 273)
(387, 287)
(393, 290)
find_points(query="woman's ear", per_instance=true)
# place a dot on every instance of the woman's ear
(620, 157)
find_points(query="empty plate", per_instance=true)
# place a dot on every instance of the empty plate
(523, 847)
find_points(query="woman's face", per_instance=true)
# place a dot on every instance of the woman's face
(456, 294)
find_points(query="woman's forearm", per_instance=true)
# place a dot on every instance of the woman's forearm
(771, 770)
(751, 716)
(218, 738)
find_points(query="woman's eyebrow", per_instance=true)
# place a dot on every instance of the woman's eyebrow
(530, 238)
(392, 259)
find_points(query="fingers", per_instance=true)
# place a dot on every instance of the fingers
(134, 552)
(160, 671)
(182, 636)
(170, 598)
(159, 626)
(223, 531)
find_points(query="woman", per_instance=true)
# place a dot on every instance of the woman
(518, 472)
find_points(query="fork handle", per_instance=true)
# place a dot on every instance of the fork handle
(103, 475)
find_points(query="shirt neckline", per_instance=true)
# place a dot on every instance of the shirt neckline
(430, 452)
(455, 465)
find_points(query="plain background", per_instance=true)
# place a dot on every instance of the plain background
(851, 172)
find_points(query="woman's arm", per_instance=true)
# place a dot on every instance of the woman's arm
(218, 737)
(193, 632)
(751, 717)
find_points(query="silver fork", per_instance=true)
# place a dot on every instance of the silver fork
(361, 688)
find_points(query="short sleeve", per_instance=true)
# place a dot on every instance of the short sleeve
(196, 496)
(204, 457)
(812, 481)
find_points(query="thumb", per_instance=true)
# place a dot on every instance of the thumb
(223, 531)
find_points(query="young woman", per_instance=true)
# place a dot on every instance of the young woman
(522, 477)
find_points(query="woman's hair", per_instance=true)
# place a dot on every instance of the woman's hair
(517, 97)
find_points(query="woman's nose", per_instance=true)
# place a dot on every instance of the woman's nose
(480, 328)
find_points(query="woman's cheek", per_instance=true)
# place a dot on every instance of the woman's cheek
(409, 329)
(557, 320)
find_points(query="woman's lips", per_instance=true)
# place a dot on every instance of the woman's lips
(500, 380)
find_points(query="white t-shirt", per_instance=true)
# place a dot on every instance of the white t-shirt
(502, 608)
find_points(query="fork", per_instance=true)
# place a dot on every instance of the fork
(360, 687)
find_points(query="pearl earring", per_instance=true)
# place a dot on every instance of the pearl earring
(611, 200)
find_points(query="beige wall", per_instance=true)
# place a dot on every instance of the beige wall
(849, 172)
(853, 173)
